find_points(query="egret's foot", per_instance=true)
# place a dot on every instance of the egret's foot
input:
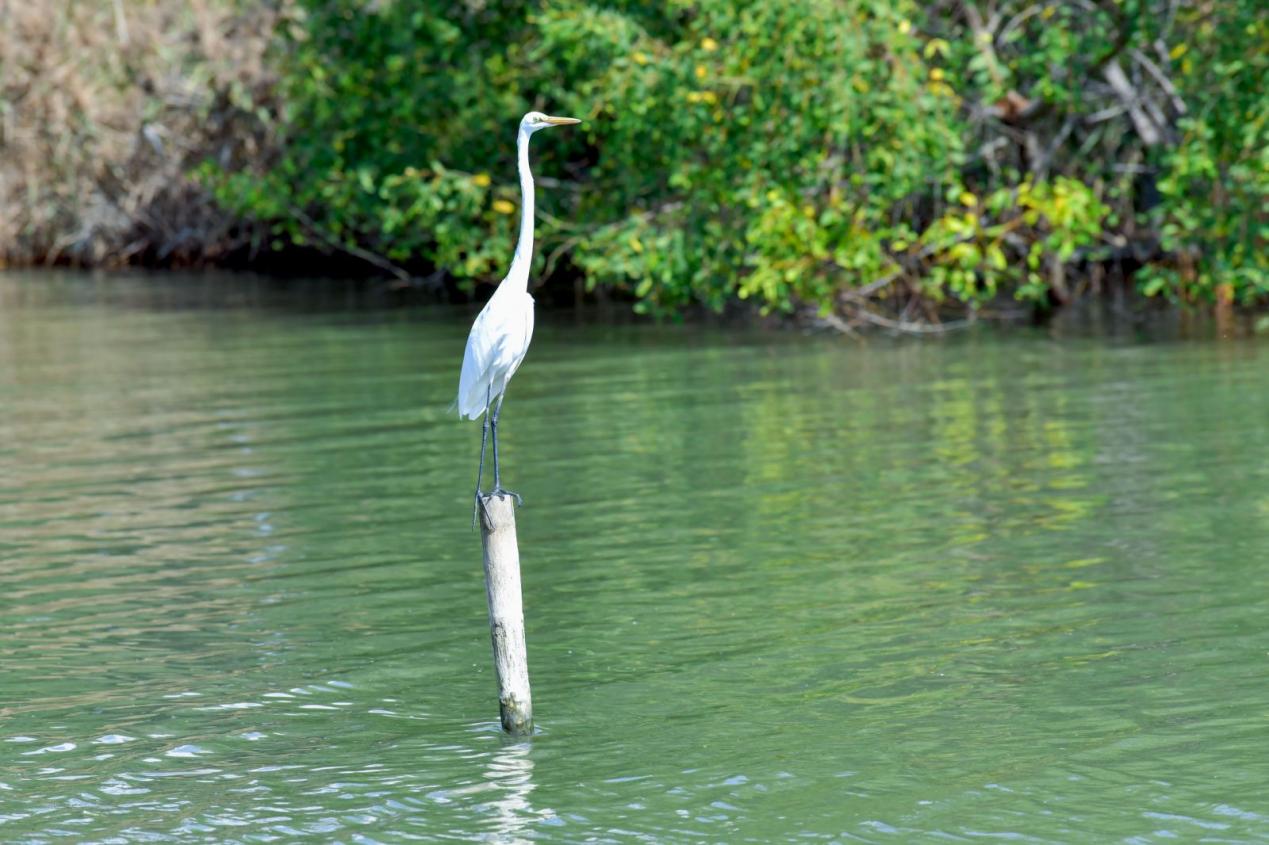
(478, 510)
(498, 491)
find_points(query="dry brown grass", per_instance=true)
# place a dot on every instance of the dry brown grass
(105, 108)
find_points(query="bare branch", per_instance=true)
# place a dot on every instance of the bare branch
(1019, 19)
(1162, 78)
(1147, 130)
(983, 41)
(356, 252)
(911, 327)
(862, 293)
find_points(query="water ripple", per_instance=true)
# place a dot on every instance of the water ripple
(776, 588)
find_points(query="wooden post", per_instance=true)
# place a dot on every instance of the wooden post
(506, 612)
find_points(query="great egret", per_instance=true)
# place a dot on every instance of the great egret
(500, 336)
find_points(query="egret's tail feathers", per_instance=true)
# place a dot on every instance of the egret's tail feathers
(471, 403)
(467, 410)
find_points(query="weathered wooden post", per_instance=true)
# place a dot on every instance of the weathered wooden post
(506, 611)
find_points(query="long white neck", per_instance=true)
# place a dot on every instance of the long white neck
(518, 275)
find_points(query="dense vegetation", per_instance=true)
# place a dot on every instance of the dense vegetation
(881, 161)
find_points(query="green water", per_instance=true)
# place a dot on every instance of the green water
(778, 588)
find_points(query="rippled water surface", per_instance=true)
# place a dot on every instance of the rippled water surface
(778, 588)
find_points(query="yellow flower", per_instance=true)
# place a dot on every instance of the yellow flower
(905, 26)
(640, 57)
(936, 73)
(968, 200)
(504, 206)
(708, 44)
(481, 180)
(701, 71)
(709, 97)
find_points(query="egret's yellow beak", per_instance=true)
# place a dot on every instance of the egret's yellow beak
(561, 121)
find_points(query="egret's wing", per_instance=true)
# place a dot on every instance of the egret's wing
(478, 361)
(495, 347)
(522, 342)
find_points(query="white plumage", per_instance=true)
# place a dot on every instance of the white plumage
(495, 347)
(500, 336)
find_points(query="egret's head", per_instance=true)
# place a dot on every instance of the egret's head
(535, 120)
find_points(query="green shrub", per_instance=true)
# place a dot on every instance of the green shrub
(778, 151)
(1214, 215)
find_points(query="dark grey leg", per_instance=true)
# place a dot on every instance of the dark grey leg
(480, 469)
(494, 423)
(497, 488)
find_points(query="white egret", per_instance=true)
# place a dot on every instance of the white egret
(500, 336)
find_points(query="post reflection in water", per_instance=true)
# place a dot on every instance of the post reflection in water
(510, 771)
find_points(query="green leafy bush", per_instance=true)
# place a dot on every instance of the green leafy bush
(1214, 215)
(839, 153)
